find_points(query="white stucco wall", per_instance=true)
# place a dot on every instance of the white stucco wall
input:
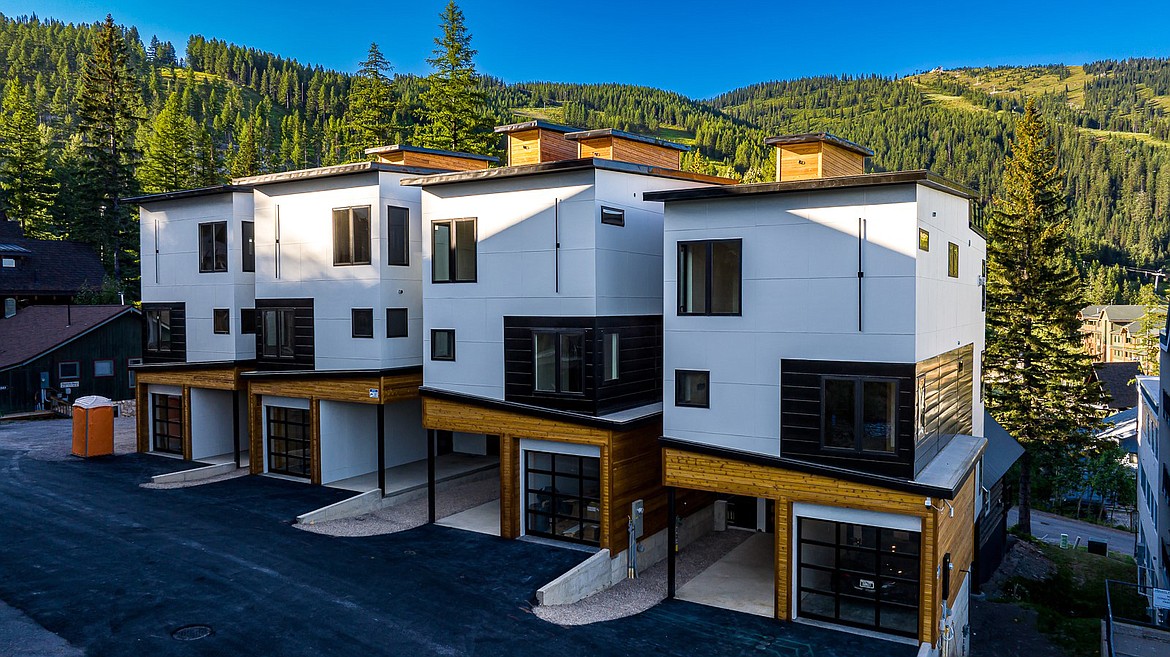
(406, 439)
(211, 423)
(173, 274)
(349, 440)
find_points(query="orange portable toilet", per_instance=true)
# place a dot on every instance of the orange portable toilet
(93, 426)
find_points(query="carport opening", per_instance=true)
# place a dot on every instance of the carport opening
(743, 579)
(467, 481)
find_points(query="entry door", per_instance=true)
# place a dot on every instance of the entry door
(288, 441)
(167, 414)
(859, 575)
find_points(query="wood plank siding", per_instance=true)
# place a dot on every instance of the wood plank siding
(628, 150)
(222, 377)
(818, 159)
(940, 532)
(836, 161)
(433, 161)
(539, 145)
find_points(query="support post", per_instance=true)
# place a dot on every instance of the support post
(381, 448)
(671, 542)
(236, 425)
(431, 476)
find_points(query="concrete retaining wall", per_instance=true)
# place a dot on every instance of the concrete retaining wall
(194, 474)
(600, 571)
(359, 504)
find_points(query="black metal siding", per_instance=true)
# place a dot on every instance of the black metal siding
(178, 352)
(949, 380)
(303, 337)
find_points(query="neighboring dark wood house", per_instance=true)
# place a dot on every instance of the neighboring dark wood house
(991, 527)
(44, 271)
(1118, 379)
(77, 350)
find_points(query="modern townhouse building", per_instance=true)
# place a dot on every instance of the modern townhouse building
(822, 343)
(542, 327)
(1153, 475)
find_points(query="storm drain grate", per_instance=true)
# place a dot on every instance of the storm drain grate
(191, 632)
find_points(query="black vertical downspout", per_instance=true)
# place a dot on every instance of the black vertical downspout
(431, 476)
(860, 270)
(671, 542)
(381, 449)
(557, 243)
(236, 425)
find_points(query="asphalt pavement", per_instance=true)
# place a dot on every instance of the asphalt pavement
(1048, 527)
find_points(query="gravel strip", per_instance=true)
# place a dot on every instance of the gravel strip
(52, 440)
(411, 514)
(238, 472)
(633, 596)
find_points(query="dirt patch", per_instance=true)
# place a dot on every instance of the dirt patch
(1023, 560)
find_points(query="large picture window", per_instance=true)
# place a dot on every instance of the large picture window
(859, 414)
(167, 422)
(277, 332)
(453, 251)
(213, 247)
(288, 441)
(351, 236)
(158, 330)
(709, 277)
(559, 358)
(563, 497)
(398, 236)
(859, 575)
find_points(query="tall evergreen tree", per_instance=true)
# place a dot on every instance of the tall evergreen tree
(170, 152)
(29, 189)
(107, 104)
(372, 105)
(454, 105)
(1036, 370)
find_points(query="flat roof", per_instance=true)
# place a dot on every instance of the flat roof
(921, 177)
(616, 420)
(610, 132)
(405, 148)
(828, 138)
(562, 166)
(329, 172)
(948, 469)
(533, 124)
(187, 193)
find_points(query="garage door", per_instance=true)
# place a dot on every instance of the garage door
(563, 496)
(288, 441)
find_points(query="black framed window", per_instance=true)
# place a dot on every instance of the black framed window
(221, 321)
(923, 239)
(610, 357)
(248, 245)
(288, 441)
(563, 497)
(158, 330)
(952, 260)
(613, 216)
(453, 251)
(277, 332)
(558, 362)
(709, 277)
(351, 236)
(859, 414)
(442, 344)
(167, 422)
(131, 375)
(103, 368)
(213, 247)
(397, 236)
(69, 370)
(362, 321)
(396, 322)
(248, 321)
(692, 388)
(859, 575)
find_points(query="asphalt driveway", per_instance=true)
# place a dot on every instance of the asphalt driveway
(114, 569)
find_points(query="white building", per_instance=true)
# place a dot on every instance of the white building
(1153, 478)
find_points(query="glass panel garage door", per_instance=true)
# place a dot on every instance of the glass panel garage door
(288, 441)
(859, 575)
(564, 497)
(167, 411)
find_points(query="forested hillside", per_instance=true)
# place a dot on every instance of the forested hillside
(248, 112)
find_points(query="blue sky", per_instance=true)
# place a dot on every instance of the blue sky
(696, 48)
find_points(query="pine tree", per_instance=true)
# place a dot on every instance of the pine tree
(453, 103)
(170, 153)
(1148, 327)
(107, 106)
(371, 105)
(29, 189)
(1035, 369)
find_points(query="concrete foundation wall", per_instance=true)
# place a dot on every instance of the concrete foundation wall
(211, 423)
(406, 439)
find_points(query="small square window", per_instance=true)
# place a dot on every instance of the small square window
(8, 262)
(69, 370)
(613, 216)
(102, 368)
(952, 260)
(130, 363)
(396, 322)
(923, 239)
(248, 321)
(363, 322)
(692, 388)
(221, 321)
(442, 344)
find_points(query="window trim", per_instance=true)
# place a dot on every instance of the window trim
(215, 269)
(452, 250)
(434, 332)
(617, 216)
(353, 322)
(103, 360)
(77, 366)
(404, 259)
(557, 359)
(216, 314)
(858, 413)
(678, 378)
(353, 242)
(405, 322)
(679, 288)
